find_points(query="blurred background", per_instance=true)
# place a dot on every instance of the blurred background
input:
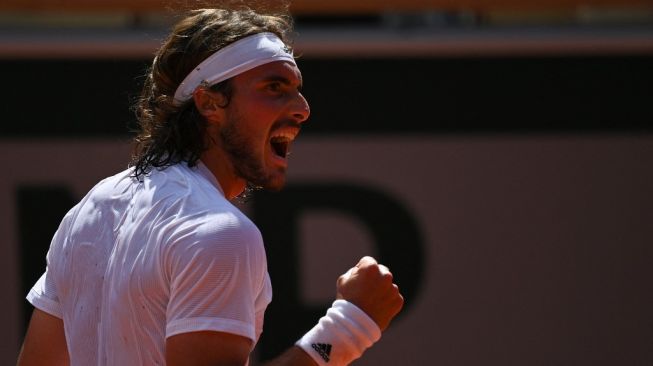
(496, 154)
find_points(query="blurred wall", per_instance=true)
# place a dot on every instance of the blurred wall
(511, 196)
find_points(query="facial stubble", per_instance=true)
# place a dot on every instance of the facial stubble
(247, 161)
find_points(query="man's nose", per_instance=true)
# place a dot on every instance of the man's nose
(301, 109)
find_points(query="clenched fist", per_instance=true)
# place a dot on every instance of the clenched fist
(369, 285)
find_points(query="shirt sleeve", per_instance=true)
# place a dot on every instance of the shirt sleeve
(43, 295)
(216, 272)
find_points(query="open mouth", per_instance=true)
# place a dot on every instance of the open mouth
(280, 146)
(281, 141)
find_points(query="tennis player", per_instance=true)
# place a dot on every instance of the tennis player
(155, 266)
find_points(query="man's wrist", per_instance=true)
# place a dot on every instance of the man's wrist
(341, 336)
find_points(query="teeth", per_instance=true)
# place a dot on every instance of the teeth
(280, 139)
(285, 135)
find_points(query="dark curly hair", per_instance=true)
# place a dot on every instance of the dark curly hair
(171, 134)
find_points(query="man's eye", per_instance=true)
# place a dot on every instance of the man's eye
(274, 87)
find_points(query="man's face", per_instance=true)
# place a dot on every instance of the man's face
(262, 118)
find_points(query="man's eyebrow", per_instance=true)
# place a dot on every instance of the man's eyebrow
(282, 79)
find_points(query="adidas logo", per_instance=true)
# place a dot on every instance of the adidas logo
(324, 349)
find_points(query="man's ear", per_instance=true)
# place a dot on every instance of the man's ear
(210, 104)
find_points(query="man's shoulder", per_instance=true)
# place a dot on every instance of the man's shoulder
(215, 230)
(189, 201)
(217, 218)
(110, 191)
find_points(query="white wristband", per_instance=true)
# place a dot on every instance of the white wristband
(341, 336)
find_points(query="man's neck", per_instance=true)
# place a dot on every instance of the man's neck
(232, 185)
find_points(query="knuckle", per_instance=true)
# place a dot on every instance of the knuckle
(383, 269)
(399, 303)
(366, 261)
(369, 259)
(397, 294)
(341, 279)
(368, 268)
(386, 272)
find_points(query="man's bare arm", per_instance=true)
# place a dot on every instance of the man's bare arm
(222, 349)
(207, 349)
(45, 342)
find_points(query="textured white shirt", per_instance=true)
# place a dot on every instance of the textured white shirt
(134, 263)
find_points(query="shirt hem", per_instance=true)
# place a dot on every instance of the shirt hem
(44, 304)
(231, 326)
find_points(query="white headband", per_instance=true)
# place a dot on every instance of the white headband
(236, 58)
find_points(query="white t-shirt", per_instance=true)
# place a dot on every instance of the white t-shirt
(134, 263)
